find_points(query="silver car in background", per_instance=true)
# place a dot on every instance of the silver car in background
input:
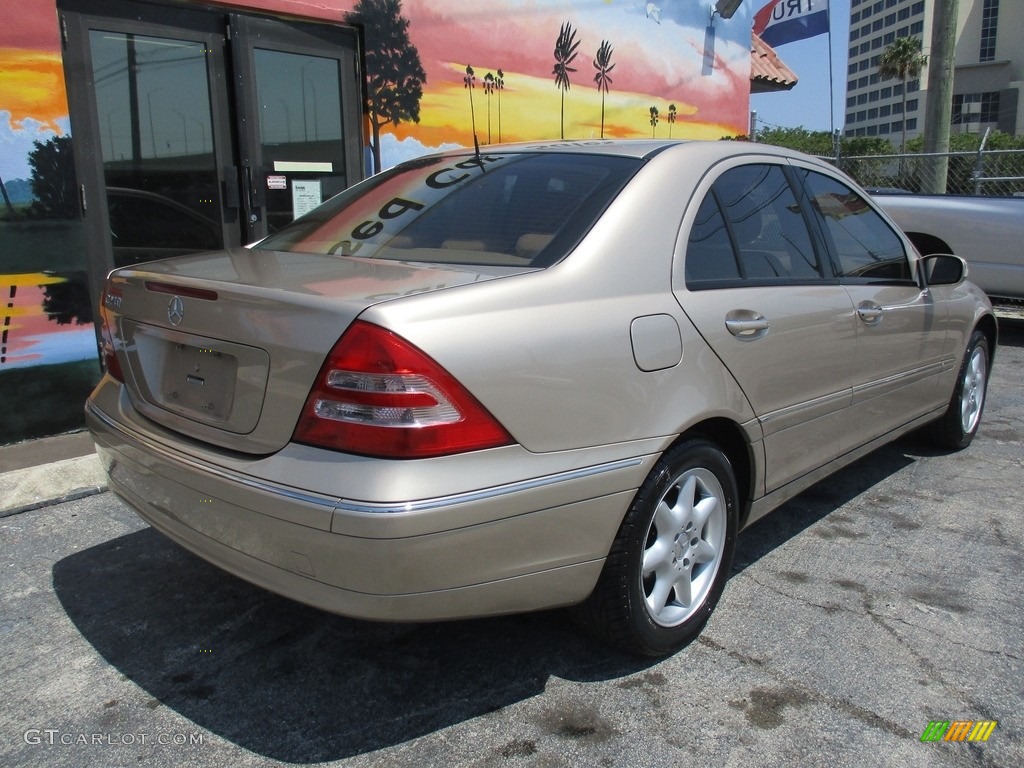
(543, 375)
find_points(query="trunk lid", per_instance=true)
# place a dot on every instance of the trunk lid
(224, 347)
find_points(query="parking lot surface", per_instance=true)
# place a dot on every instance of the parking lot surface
(882, 599)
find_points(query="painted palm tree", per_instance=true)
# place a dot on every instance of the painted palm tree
(499, 86)
(603, 64)
(671, 118)
(488, 90)
(902, 59)
(468, 81)
(654, 120)
(566, 51)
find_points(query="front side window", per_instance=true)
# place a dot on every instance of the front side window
(513, 210)
(864, 245)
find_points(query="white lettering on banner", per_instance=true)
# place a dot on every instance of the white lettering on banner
(787, 9)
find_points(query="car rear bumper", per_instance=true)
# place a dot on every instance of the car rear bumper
(532, 544)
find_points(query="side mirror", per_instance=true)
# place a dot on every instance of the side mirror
(944, 269)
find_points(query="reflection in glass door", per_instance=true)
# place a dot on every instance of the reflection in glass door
(301, 132)
(300, 83)
(156, 137)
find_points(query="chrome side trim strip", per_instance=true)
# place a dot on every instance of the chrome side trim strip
(783, 418)
(358, 507)
(484, 494)
(330, 502)
(891, 383)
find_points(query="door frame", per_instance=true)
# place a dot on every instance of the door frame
(77, 18)
(229, 35)
(290, 36)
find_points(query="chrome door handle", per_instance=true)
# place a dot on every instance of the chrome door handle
(746, 325)
(870, 312)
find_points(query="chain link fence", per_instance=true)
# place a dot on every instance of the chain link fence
(997, 173)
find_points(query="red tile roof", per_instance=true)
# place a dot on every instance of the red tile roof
(767, 71)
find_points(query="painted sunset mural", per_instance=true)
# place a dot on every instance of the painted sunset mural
(526, 70)
(47, 344)
(522, 71)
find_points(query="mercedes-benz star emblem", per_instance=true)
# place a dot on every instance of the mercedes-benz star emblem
(176, 311)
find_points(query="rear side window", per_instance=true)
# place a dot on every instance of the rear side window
(750, 227)
(504, 210)
(709, 253)
(864, 245)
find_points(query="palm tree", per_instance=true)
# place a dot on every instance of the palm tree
(565, 53)
(902, 59)
(499, 85)
(654, 120)
(603, 65)
(468, 81)
(488, 90)
(671, 118)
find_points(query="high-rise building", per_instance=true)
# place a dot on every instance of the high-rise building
(988, 76)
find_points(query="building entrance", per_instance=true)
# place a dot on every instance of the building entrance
(197, 129)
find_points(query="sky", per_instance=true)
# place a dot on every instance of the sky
(807, 104)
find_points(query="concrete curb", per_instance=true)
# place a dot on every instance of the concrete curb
(23, 490)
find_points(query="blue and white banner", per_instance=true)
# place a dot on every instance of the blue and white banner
(783, 21)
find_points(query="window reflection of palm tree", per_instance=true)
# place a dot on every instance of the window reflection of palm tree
(566, 50)
(654, 120)
(468, 80)
(603, 64)
(488, 90)
(499, 85)
(671, 118)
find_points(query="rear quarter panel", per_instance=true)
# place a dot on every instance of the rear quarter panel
(550, 354)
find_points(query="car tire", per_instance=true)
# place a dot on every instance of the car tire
(959, 424)
(671, 557)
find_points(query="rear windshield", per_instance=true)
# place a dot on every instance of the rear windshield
(493, 209)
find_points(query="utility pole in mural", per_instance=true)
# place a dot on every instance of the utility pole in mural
(654, 120)
(603, 64)
(671, 118)
(394, 74)
(468, 81)
(565, 53)
(488, 90)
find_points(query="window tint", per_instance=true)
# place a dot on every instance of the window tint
(769, 230)
(709, 253)
(864, 244)
(500, 209)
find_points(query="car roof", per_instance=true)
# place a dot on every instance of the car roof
(639, 148)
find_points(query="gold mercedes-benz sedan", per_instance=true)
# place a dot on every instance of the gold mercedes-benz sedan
(542, 375)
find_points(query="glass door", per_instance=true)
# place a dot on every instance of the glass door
(160, 170)
(197, 129)
(299, 83)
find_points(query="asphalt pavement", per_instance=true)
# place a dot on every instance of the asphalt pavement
(883, 599)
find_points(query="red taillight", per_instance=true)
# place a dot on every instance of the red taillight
(110, 361)
(379, 395)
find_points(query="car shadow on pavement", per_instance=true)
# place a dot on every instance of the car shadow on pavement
(296, 684)
(824, 498)
(1011, 334)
